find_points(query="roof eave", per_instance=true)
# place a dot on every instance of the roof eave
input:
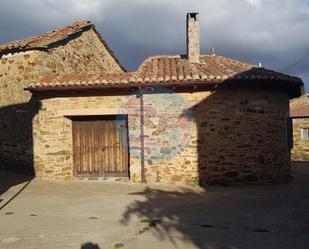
(48, 44)
(65, 37)
(195, 85)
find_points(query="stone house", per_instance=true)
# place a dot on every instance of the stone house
(76, 48)
(299, 113)
(194, 119)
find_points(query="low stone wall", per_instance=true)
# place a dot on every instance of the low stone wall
(230, 136)
(300, 151)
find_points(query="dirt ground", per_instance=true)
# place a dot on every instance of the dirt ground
(36, 213)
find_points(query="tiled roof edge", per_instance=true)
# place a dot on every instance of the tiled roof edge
(88, 25)
(47, 44)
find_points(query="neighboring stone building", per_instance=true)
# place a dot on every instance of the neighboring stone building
(76, 48)
(191, 119)
(299, 112)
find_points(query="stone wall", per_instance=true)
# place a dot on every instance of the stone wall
(230, 136)
(83, 54)
(193, 37)
(243, 137)
(300, 151)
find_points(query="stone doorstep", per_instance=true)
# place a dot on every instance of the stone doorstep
(107, 179)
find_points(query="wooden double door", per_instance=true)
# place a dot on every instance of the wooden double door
(100, 146)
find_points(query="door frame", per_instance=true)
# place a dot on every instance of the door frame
(101, 117)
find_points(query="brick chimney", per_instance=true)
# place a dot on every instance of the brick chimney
(193, 37)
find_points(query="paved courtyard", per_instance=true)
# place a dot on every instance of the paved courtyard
(91, 215)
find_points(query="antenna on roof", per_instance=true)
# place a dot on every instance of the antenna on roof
(212, 51)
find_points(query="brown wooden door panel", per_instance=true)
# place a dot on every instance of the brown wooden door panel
(99, 146)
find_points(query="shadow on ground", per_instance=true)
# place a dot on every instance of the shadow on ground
(8, 180)
(300, 163)
(89, 245)
(16, 147)
(269, 216)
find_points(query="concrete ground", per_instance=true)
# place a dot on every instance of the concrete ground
(92, 215)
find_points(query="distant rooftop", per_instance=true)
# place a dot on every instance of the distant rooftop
(48, 39)
(299, 111)
(300, 107)
(43, 40)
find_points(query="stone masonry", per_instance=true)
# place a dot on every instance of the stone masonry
(300, 151)
(238, 135)
(193, 37)
(84, 53)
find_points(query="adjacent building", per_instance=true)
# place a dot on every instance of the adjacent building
(299, 112)
(76, 48)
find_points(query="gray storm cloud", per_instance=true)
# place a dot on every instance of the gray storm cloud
(274, 32)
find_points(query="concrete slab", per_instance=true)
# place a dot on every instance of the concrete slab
(50, 214)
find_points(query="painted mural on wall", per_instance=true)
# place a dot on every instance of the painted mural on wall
(167, 124)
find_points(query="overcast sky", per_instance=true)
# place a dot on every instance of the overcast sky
(274, 32)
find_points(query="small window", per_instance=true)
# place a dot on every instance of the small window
(305, 133)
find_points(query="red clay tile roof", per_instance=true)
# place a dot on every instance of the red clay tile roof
(82, 80)
(212, 69)
(299, 111)
(43, 41)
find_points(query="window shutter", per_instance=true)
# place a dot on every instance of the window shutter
(305, 133)
(302, 134)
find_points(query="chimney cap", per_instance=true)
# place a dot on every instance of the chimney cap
(192, 14)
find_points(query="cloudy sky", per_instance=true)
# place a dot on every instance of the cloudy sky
(274, 32)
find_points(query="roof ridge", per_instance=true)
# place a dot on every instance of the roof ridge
(229, 58)
(42, 41)
(75, 25)
(162, 56)
(301, 105)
